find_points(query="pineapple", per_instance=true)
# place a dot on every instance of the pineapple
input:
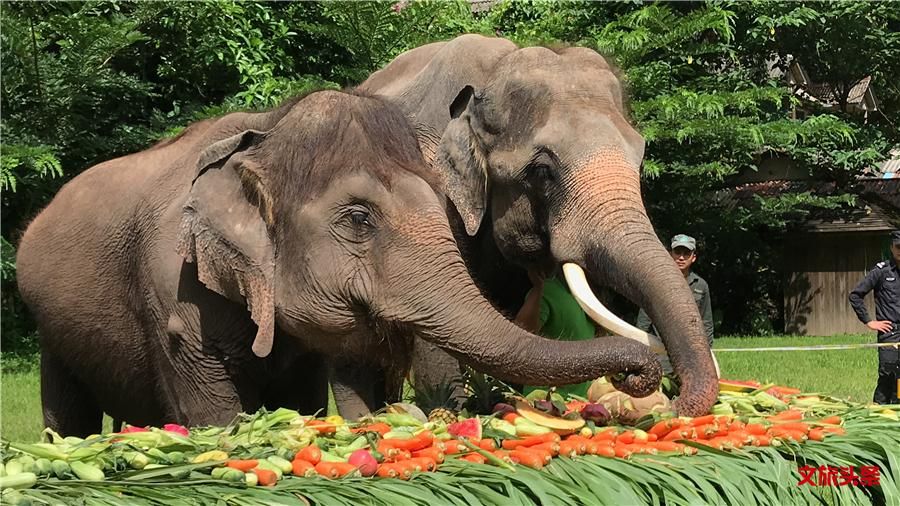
(484, 392)
(438, 401)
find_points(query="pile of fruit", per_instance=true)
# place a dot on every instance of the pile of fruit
(268, 448)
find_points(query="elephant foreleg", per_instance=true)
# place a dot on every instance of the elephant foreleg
(432, 366)
(358, 389)
(69, 407)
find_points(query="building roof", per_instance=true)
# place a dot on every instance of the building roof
(878, 206)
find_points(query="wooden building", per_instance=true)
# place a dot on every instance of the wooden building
(826, 256)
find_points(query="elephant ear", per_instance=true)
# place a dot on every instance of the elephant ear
(225, 231)
(460, 162)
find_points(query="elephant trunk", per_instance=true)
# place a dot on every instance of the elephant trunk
(623, 252)
(448, 310)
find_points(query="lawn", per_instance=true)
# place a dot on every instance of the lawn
(844, 373)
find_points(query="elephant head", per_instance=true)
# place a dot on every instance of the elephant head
(543, 148)
(327, 225)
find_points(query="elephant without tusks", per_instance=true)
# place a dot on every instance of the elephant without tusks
(533, 149)
(217, 271)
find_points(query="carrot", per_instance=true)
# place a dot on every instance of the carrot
(688, 433)
(321, 427)
(605, 435)
(414, 443)
(568, 448)
(423, 464)
(622, 451)
(334, 469)
(552, 448)
(817, 435)
(755, 429)
(393, 471)
(739, 435)
(311, 454)
(527, 458)
(431, 452)
(487, 444)
(734, 425)
(512, 444)
(668, 446)
(580, 444)
(510, 417)
(835, 430)
(626, 437)
(663, 427)
(783, 390)
(721, 443)
(545, 455)
(242, 465)
(381, 428)
(300, 467)
(832, 420)
(475, 458)
(761, 440)
(798, 426)
(652, 437)
(502, 455)
(454, 447)
(707, 431)
(794, 435)
(265, 476)
(791, 415)
(703, 420)
(606, 451)
(397, 455)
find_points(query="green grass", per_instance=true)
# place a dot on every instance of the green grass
(848, 374)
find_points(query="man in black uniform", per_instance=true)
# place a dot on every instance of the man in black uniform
(885, 280)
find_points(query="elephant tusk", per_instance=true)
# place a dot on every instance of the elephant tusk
(582, 292)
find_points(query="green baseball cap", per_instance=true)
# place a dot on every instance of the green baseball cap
(684, 241)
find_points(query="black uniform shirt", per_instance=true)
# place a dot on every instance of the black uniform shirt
(885, 280)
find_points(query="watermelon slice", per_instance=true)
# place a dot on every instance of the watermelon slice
(737, 386)
(470, 428)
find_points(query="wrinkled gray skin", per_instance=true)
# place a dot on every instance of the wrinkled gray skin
(216, 272)
(533, 148)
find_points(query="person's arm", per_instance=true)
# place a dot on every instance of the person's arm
(643, 321)
(857, 301)
(529, 315)
(706, 313)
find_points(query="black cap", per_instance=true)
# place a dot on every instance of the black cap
(895, 237)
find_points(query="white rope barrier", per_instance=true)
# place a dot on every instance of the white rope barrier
(821, 347)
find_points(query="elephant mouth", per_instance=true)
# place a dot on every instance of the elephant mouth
(581, 291)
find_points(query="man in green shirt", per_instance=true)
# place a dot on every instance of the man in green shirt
(551, 311)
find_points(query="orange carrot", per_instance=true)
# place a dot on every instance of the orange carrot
(606, 451)
(397, 455)
(423, 464)
(527, 458)
(502, 455)
(512, 444)
(817, 435)
(791, 415)
(475, 458)
(622, 451)
(545, 455)
(311, 454)
(706, 431)
(798, 426)
(605, 435)
(755, 428)
(568, 448)
(334, 469)
(832, 420)
(242, 465)
(414, 443)
(688, 433)
(663, 427)
(626, 437)
(265, 476)
(300, 467)
(739, 435)
(761, 440)
(431, 452)
(381, 428)
(794, 435)
(835, 430)
(510, 417)
(652, 437)
(487, 444)
(393, 471)
(703, 420)
(668, 446)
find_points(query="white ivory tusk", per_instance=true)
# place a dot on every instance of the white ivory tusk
(582, 292)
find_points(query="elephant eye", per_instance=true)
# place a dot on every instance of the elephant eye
(541, 167)
(360, 218)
